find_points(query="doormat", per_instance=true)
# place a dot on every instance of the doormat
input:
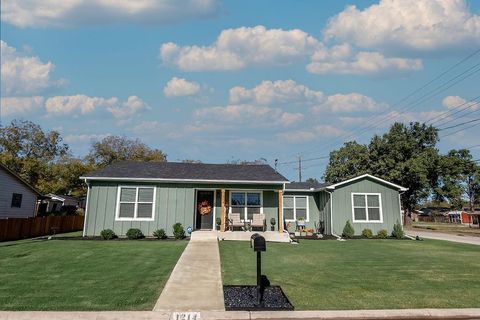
(244, 298)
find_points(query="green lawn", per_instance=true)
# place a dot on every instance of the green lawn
(363, 274)
(84, 275)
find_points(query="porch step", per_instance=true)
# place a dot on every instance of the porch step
(201, 235)
(270, 236)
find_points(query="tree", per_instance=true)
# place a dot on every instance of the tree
(66, 175)
(248, 162)
(115, 148)
(29, 151)
(350, 160)
(312, 180)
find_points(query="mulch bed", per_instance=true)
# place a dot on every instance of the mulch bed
(244, 298)
(98, 238)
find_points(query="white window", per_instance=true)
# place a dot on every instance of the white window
(295, 207)
(367, 207)
(246, 203)
(136, 203)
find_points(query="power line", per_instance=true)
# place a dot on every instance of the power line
(459, 124)
(459, 117)
(463, 129)
(452, 109)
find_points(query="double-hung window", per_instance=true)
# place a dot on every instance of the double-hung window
(246, 203)
(367, 207)
(16, 200)
(295, 207)
(136, 203)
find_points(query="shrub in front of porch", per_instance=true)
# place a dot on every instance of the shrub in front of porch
(178, 231)
(348, 231)
(134, 233)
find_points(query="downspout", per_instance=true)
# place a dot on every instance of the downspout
(331, 215)
(86, 209)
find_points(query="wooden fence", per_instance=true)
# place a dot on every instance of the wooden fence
(21, 228)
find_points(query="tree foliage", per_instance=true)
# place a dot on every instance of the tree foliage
(116, 148)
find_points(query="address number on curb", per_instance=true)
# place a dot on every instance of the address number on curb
(185, 316)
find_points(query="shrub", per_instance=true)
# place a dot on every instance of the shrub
(218, 221)
(273, 221)
(178, 231)
(398, 231)
(80, 212)
(367, 233)
(134, 233)
(107, 234)
(348, 230)
(159, 234)
(382, 234)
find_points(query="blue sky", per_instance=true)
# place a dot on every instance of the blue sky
(224, 80)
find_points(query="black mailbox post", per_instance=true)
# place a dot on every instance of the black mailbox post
(258, 243)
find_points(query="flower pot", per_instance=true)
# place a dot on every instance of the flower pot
(303, 234)
(297, 233)
(309, 234)
(272, 228)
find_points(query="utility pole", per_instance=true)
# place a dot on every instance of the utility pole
(299, 168)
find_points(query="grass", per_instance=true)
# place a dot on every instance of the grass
(451, 228)
(85, 275)
(363, 274)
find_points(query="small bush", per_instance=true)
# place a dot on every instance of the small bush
(159, 234)
(218, 221)
(397, 231)
(80, 212)
(367, 233)
(178, 231)
(107, 234)
(273, 221)
(348, 230)
(382, 234)
(134, 233)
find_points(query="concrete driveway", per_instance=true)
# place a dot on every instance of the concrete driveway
(444, 236)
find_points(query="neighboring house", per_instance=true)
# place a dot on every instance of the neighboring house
(54, 203)
(153, 195)
(470, 217)
(18, 199)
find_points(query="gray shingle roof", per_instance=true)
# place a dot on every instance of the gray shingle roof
(188, 171)
(306, 185)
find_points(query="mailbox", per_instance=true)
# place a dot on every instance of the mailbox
(257, 242)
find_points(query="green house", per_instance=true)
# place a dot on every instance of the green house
(154, 195)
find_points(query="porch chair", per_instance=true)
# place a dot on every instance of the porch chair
(235, 222)
(258, 221)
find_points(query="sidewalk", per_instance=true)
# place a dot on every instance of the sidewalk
(196, 281)
(444, 236)
(416, 314)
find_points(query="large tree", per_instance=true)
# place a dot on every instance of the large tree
(351, 160)
(29, 151)
(116, 148)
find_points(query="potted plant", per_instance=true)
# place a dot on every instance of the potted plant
(310, 232)
(218, 221)
(301, 222)
(273, 222)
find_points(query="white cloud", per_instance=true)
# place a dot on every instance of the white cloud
(290, 92)
(70, 13)
(280, 91)
(451, 102)
(24, 75)
(84, 104)
(352, 102)
(20, 105)
(82, 138)
(316, 132)
(390, 25)
(179, 87)
(238, 48)
(361, 63)
(251, 115)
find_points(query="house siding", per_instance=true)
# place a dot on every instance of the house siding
(10, 185)
(342, 206)
(174, 203)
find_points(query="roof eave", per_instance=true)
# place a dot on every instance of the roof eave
(398, 187)
(203, 181)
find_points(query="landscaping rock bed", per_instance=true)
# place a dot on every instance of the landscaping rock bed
(244, 298)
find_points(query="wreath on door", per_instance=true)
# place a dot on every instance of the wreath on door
(204, 208)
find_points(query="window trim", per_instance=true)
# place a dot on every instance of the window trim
(307, 218)
(367, 216)
(135, 218)
(230, 206)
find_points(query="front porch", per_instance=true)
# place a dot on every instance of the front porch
(270, 236)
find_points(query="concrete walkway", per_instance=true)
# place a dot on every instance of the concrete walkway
(444, 236)
(196, 281)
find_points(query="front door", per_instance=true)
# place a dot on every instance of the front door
(205, 209)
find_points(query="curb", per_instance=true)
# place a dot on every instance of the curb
(397, 314)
